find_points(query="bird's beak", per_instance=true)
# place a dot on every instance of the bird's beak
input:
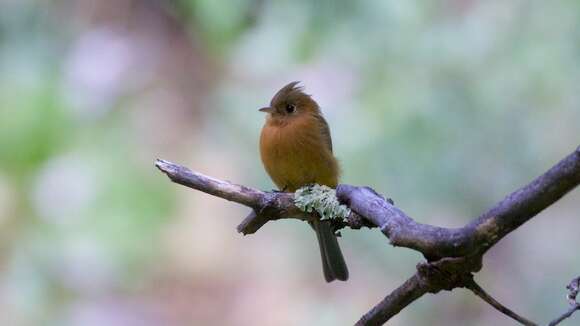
(266, 109)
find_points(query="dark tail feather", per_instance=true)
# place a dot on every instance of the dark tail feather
(333, 264)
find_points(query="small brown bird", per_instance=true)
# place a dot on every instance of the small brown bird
(296, 150)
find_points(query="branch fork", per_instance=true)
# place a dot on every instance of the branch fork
(453, 254)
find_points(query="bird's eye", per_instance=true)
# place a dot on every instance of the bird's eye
(290, 108)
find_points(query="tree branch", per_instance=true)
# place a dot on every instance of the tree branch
(453, 254)
(431, 277)
(267, 206)
(525, 203)
(476, 237)
(404, 295)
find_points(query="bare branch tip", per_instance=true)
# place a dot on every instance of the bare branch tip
(169, 168)
(162, 164)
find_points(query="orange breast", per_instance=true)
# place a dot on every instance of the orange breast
(296, 153)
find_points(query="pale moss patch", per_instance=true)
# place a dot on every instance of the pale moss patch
(320, 199)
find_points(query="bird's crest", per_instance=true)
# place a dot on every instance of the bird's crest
(292, 90)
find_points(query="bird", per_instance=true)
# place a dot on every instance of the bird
(296, 150)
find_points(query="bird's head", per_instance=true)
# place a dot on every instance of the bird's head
(290, 102)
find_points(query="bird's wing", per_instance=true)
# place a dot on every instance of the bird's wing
(325, 131)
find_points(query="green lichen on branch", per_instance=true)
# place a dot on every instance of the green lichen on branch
(322, 200)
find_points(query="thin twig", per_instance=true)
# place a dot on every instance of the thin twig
(573, 288)
(565, 315)
(477, 290)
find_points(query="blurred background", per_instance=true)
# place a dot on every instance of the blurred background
(444, 106)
